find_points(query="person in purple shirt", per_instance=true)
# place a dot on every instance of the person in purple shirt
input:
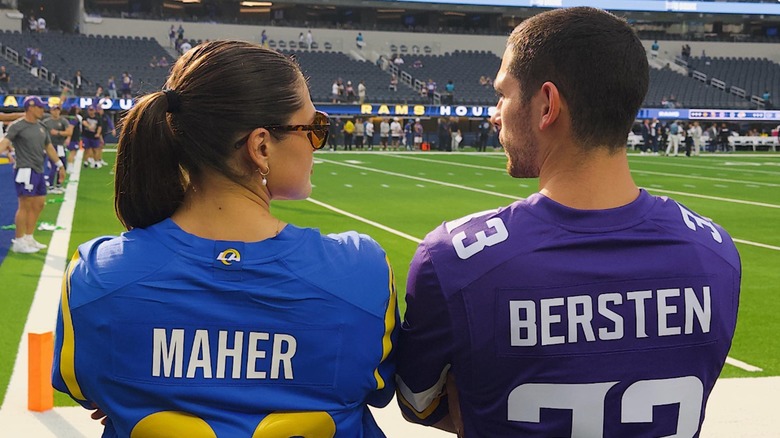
(590, 309)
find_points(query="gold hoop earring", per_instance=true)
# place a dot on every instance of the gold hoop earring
(264, 175)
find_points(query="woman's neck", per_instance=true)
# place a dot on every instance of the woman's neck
(219, 209)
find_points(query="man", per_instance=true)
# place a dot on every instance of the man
(674, 139)
(418, 134)
(74, 142)
(106, 126)
(5, 79)
(78, 83)
(29, 139)
(91, 133)
(59, 129)
(591, 308)
(361, 92)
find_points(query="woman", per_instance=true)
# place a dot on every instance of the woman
(211, 316)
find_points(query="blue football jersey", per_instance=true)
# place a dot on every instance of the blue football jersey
(570, 323)
(170, 333)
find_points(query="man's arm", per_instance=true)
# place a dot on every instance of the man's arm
(5, 144)
(10, 117)
(425, 348)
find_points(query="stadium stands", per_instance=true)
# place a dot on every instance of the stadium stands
(463, 67)
(322, 68)
(688, 92)
(752, 75)
(98, 57)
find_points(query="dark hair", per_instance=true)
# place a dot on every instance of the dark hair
(596, 61)
(224, 90)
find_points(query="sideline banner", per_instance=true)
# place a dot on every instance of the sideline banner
(14, 102)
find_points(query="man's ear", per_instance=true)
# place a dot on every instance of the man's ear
(551, 105)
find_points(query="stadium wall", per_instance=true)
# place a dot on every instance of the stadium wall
(379, 41)
(344, 40)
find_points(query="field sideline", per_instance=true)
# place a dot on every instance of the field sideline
(399, 197)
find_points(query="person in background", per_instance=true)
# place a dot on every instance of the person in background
(361, 92)
(91, 134)
(359, 42)
(408, 134)
(111, 87)
(5, 80)
(28, 138)
(591, 308)
(59, 130)
(384, 133)
(106, 126)
(360, 133)
(370, 134)
(349, 130)
(418, 134)
(73, 141)
(456, 136)
(78, 83)
(335, 128)
(240, 324)
(396, 133)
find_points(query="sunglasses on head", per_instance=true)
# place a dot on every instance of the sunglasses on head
(317, 131)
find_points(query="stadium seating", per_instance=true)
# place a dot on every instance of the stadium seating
(322, 68)
(98, 57)
(463, 68)
(688, 92)
(750, 74)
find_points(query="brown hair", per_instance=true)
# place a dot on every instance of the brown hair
(596, 61)
(219, 91)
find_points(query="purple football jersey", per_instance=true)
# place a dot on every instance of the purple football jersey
(570, 323)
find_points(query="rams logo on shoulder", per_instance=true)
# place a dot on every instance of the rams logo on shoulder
(228, 256)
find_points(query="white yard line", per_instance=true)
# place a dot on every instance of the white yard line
(745, 366)
(417, 178)
(366, 221)
(705, 178)
(718, 198)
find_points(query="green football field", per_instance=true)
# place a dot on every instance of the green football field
(397, 198)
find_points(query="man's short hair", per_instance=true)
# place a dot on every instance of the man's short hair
(596, 61)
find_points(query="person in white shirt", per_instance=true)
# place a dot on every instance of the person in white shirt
(696, 134)
(361, 92)
(369, 131)
(185, 47)
(41, 24)
(396, 132)
(384, 133)
(309, 39)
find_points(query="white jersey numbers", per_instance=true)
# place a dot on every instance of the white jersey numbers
(693, 222)
(586, 403)
(481, 239)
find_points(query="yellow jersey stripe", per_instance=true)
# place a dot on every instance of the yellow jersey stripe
(425, 413)
(68, 351)
(387, 342)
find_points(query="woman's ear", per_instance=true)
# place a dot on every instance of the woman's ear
(257, 147)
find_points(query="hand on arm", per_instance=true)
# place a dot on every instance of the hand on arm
(5, 144)
(52, 153)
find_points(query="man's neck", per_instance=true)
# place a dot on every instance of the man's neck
(594, 180)
(30, 118)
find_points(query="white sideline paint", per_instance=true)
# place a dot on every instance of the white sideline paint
(366, 221)
(745, 366)
(737, 407)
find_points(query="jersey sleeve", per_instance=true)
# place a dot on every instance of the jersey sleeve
(64, 377)
(424, 345)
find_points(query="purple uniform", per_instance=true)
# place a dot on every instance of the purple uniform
(563, 322)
